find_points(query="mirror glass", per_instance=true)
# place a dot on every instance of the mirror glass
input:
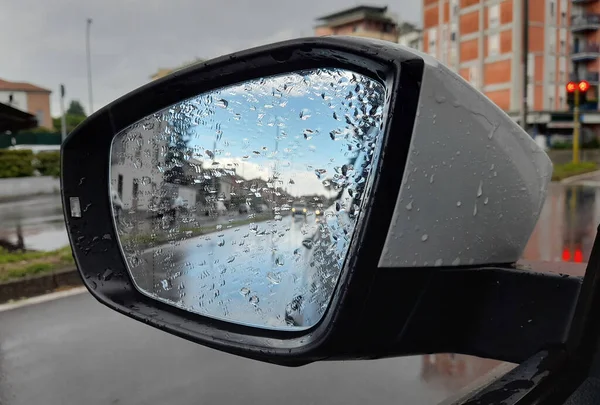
(240, 204)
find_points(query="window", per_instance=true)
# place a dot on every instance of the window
(474, 75)
(563, 19)
(493, 44)
(39, 116)
(452, 57)
(494, 16)
(552, 9)
(551, 102)
(551, 40)
(432, 42)
(454, 7)
(531, 68)
(562, 68)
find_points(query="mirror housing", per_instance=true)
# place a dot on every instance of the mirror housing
(380, 288)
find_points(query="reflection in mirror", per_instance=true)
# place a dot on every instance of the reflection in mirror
(240, 204)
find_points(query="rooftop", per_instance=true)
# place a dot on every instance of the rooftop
(21, 86)
(162, 72)
(354, 10)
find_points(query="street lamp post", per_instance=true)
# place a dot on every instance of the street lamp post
(63, 118)
(524, 60)
(89, 63)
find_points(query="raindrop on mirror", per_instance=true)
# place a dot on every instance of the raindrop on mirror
(241, 204)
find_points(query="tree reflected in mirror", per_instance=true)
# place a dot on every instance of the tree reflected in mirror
(241, 204)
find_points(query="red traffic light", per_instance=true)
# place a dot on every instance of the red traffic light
(582, 85)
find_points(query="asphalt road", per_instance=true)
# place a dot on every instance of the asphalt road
(73, 350)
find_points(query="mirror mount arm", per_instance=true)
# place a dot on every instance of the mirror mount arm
(501, 312)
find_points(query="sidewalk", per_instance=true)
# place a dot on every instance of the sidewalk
(593, 177)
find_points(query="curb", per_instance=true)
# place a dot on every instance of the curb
(38, 285)
(579, 177)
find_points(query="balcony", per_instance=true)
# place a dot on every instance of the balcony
(584, 1)
(585, 52)
(592, 78)
(585, 23)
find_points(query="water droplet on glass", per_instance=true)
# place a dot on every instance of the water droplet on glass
(438, 262)
(485, 201)
(409, 206)
(254, 300)
(231, 259)
(431, 178)
(222, 103)
(279, 261)
(166, 285)
(480, 189)
(424, 237)
(222, 242)
(146, 180)
(245, 291)
(456, 261)
(274, 278)
(475, 210)
(458, 203)
(440, 99)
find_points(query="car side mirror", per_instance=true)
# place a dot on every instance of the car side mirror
(256, 202)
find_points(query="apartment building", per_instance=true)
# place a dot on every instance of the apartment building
(482, 41)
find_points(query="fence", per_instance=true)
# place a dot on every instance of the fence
(29, 138)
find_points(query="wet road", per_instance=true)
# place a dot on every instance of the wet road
(74, 350)
(39, 220)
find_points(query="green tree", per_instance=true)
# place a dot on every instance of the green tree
(75, 108)
(72, 122)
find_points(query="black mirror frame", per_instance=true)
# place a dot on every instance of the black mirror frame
(85, 175)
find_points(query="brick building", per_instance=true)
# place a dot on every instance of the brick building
(482, 41)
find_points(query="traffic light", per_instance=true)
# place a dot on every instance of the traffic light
(572, 87)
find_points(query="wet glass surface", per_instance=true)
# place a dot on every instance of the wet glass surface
(240, 204)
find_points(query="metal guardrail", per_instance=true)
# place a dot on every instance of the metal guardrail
(581, 21)
(589, 47)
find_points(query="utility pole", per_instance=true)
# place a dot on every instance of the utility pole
(63, 117)
(89, 63)
(524, 60)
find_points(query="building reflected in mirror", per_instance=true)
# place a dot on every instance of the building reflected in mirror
(241, 203)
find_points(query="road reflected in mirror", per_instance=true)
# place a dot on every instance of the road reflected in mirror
(241, 204)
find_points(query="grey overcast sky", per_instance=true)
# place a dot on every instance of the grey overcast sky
(43, 41)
